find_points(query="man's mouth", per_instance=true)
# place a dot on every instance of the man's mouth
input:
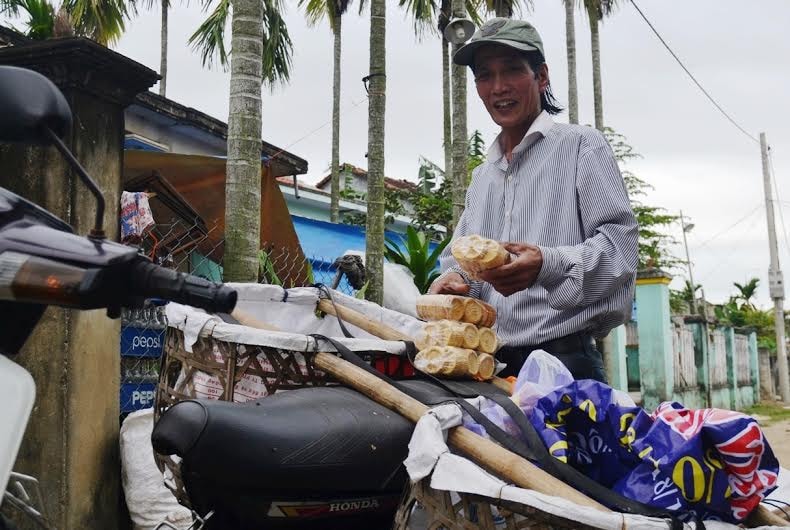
(504, 104)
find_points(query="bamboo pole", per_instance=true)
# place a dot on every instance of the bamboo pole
(488, 454)
(762, 516)
(384, 331)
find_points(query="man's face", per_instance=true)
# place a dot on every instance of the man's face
(508, 87)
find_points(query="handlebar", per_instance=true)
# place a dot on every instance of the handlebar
(153, 281)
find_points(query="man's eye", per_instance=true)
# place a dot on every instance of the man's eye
(482, 77)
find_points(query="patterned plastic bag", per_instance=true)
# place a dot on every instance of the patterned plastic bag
(713, 463)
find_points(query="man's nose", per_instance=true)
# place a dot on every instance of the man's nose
(498, 83)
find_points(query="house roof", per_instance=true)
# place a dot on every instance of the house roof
(283, 162)
(11, 37)
(390, 183)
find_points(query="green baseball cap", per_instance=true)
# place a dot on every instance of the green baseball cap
(517, 34)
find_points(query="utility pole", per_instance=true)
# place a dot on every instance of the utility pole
(686, 228)
(775, 284)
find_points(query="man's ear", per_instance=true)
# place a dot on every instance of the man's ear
(542, 75)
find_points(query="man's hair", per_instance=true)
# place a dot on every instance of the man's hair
(547, 100)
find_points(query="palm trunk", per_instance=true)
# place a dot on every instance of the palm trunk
(460, 150)
(334, 201)
(163, 50)
(596, 68)
(374, 250)
(448, 121)
(503, 9)
(570, 43)
(243, 179)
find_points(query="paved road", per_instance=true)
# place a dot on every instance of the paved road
(778, 435)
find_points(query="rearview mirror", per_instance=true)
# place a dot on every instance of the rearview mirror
(34, 111)
(29, 105)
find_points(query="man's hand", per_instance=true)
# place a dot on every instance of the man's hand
(519, 273)
(452, 283)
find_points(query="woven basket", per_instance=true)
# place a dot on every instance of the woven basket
(231, 371)
(429, 509)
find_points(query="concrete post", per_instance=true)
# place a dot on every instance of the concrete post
(754, 366)
(767, 389)
(655, 337)
(699, 328)
(732, 378)
(71, 443)
(615, 359)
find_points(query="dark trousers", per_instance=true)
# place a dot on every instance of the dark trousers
(577, 352)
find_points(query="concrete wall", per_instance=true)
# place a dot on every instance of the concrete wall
(691, 360)
(71, 443)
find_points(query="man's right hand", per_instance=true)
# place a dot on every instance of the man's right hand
(452, 283)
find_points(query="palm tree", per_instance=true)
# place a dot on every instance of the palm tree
(689, 293)
(459, 127)
(374, 232)
(422, 13)
(596, 11)
(163, 49)
(746, 292)
(260, 52)
(505, 8)
(333, 10)
(570, 45)
(101, 20)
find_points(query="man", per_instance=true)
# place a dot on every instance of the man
(554, 194)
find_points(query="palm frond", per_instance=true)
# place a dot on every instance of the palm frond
(277, 45)
(100, 20)
(209, 38)
(422, 14)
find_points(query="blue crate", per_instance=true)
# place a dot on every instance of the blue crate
(136, 396)
(142, 342)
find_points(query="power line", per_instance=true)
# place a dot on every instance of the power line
(691, 75)
(725, 261)
(776, 193)
(342, 113)
(733, 225)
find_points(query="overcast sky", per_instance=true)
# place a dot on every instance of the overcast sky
(692, 156)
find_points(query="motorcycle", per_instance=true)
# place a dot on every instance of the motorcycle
(43, 262)
(313, 458)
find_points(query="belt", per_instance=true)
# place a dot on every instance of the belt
(568, 344)
(572, 343)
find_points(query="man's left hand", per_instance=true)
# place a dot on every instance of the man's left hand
(519, 273)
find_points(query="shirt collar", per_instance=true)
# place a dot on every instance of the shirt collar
(539, 129)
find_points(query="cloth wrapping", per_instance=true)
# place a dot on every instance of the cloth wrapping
(708, 463)
(136, 216)
(429, 454)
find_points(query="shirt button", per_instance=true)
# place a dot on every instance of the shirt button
(507, 214)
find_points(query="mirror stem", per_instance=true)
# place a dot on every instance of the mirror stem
(98, 229)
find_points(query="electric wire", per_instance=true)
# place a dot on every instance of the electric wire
(312, 132)
(777, 199)
(733, 225)
(633, 2)
(725, 261)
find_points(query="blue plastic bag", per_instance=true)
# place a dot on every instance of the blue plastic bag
(712, 463)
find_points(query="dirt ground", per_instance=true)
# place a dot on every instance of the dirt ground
(778, 435)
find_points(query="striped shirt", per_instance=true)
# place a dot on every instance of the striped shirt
(562, 191)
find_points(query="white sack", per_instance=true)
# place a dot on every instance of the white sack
(147, 498)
